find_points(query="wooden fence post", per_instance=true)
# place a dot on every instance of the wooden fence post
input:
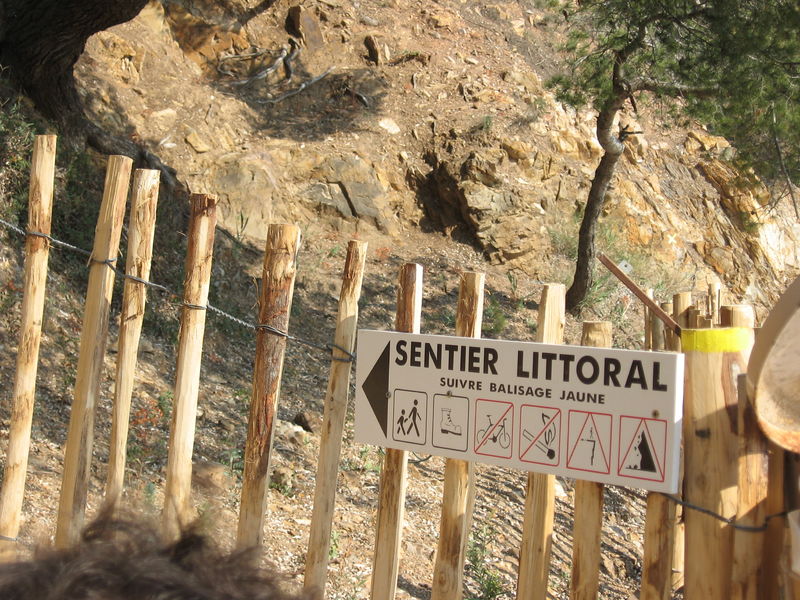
(710, 419)
(663, 534)
(333, 420)
(681, 304)
(389, 520)
(648, 322)
(141, 230)
(537, 526)
(658, 336)
(588, 524)
(275, 303)
(669, 335)
(748, 546)
(37, 249)
(737, 315)
(714, 301)
(776, 527)
(177, 493)
(80, 436)
(459, 475)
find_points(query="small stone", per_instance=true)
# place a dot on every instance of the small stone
(609, 567)
(560, 492)
(516, 149)
(306, 25)
(308, 420)
(211, 476)
(389, 125)
(197, 143)
(282, 478)
(372, 49)
(441, 20)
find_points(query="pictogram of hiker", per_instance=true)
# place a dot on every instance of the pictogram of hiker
(413, 417)
(401, 422)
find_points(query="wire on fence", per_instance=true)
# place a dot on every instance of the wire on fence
(349, 357)
(729, 520)
(110, 263)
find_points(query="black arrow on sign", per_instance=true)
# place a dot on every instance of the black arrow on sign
(376, 388)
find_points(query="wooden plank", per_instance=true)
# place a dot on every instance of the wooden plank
(713, 357)
(752, 501)
(537, 525)
(391, 500)
(588, 524)
(80, 436)
(141, 231)
(771, 372)
(458, 474)
(639, 293)
(275, 303)
(333, 420)
(37, 250)
(178, 512)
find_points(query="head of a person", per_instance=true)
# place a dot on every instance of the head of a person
(125, 559)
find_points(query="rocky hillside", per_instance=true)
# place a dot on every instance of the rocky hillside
(426, 129)
(416, 117)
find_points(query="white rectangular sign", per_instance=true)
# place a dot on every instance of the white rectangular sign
(606, 415)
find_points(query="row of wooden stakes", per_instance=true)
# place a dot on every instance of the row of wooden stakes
(720, 562)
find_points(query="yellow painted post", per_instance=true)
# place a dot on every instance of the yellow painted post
(713, 358)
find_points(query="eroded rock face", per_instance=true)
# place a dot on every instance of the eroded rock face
(685, 208)
(462, 130)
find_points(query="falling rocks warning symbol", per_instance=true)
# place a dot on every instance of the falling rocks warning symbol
(376, 388)
(646, 463)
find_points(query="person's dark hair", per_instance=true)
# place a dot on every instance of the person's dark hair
(124, 559)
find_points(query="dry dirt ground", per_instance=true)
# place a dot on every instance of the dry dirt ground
(224, 397)
(511, 312)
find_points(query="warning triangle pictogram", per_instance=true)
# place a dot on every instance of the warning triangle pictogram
(589, 442)
(642, 454)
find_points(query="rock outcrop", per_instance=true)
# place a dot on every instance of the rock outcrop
(435, 120)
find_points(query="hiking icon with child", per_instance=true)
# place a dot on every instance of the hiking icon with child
(409, 425)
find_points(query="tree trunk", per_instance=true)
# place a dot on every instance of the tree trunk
(613, 147)
(41, 40)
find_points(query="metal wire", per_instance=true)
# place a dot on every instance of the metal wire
(729, 520)
(349, 357)
(111, 264)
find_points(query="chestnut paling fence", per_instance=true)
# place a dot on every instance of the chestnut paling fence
(723, 538)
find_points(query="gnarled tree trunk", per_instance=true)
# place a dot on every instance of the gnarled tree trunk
(41, 40)
(613, 149)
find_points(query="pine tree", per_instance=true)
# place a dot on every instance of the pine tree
(734, 64)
